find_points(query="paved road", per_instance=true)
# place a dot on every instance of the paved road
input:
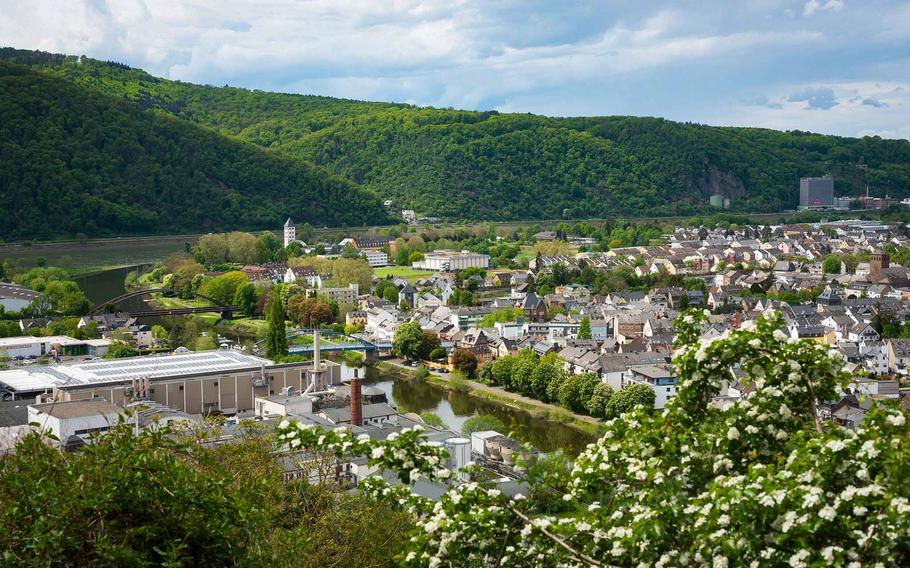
(504, 394)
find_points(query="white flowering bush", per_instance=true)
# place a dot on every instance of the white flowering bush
(759, 481)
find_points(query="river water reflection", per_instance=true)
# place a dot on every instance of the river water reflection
(454, 408)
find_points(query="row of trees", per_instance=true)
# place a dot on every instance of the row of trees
(545, 379)
(237, 247)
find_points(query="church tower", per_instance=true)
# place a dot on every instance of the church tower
(290, 232)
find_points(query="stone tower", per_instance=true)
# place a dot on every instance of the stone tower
(879, 261)
(290, 232)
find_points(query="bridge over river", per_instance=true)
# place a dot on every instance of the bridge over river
(303, 342)
(226, 311)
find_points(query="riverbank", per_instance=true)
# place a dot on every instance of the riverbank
(552, 413)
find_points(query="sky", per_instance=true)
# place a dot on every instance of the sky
(831, 66)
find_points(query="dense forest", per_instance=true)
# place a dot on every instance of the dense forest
(74, 161)
(486, 165)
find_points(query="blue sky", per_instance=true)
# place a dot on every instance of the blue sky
(833, 66)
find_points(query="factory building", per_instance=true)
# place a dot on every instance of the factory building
(816, 192)
(195, 382)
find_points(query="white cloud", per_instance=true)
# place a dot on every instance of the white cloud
(813, 6)
(563, 58)
(847, 112)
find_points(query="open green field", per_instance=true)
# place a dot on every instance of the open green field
(100, 254)
(406, 272)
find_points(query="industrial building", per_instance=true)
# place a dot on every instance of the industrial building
(195, 382)
(26, 346)
(816, 193)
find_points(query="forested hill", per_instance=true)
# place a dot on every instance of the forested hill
(75, 161)
(487, 165)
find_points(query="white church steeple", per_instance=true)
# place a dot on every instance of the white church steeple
(290, 232)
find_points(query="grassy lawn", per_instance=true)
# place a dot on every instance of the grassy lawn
(257, 325)
(167, 302)
(406, 272)
(524, 255)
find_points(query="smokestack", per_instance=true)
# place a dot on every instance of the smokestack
(356, 401)
(317, 365)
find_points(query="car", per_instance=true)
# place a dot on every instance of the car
(415, 363)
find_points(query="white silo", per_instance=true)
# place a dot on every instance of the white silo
(459, 455)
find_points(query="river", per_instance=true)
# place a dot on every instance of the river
(407, 395)
(100, 287)
(454, 408)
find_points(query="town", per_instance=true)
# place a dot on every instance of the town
(246, 340)
(569, 325)
(460, 284)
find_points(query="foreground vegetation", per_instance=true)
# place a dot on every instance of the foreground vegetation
(170, 498)
(765, 481)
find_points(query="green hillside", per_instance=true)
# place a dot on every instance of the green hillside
(75, 161)
(487, 165)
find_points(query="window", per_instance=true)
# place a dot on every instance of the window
(152, 391)
(215, 384)
(180, 387)
(91, 430)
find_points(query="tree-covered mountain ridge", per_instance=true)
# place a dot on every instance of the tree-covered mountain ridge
(488, 165)
(74, 161)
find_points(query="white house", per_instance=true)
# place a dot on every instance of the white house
(661, 378)
(313, 280)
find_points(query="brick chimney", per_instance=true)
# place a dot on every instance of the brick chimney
(356, 401)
